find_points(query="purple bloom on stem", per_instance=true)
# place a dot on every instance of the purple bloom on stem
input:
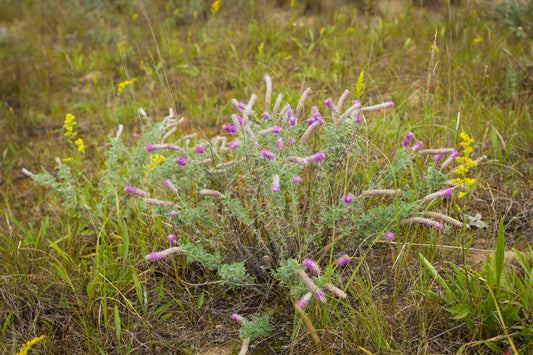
(311, 265)
(317, 157)
(343, 260)
(348, 198)
(266, 115)
(199, 149)
(296, 179)
(267, 78)
(417, 146)
(304, 300)
(389, 236)
(356, 103)
(320, 295)
(408, 138)
(329, 103)
(279, 144)
(181, 161)
(267, 154)
(275, 184)
(173, 213)
(150, 147)
(290, 141)
(237, 317)
(276, 129)
(235, 144)
(229, 128)
(172, 238)
(134, 191)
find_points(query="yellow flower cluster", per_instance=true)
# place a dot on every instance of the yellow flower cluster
(360, 85)
(215, 6)
(123, 84)
(80, 144)
(69, 126)
(27, 347)
(466, 164)
(155, 161)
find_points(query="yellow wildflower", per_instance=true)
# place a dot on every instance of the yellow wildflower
(81, 146)
(360, 84)
(123, 84)
(26, 347)
(435, 48)
(350, 30)
(260, 48)
(322, 30)
(134, 16)
(461, 194)
(177, 10)
(69, 126)
(476, 40)
(215, 6)
(155, 161)
(66, 160)
(293, 2)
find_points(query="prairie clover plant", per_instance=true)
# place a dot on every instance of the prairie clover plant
(281, 183)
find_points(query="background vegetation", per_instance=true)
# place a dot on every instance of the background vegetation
(80, 278)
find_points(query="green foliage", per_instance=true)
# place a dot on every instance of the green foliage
(258, 326)
(234, 273)
(287, 271)
(516, 15)
(492, 300)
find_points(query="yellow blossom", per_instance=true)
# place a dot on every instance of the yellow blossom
(69, 126)
(322, 30)
(81, 146)
(134, 16)
(360, 84)
(66, 160)
(215, 6)
(435, 48)
(123, 84)
(476, 40)
(260, 48)
(155, 161)
(177, 10)
(26, 347)
(461, 194)
(293, 3)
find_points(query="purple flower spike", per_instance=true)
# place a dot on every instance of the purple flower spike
(172, 238)
(181, 161)
(290, 141)
(235, 144)
(173, 213)
(304, 300)
(276, 129)
(267, 154)
(229, 128)
(279, 144)
(356, 103)
(388, 104)
(311, 265)
(267, 78)
(408, 138)
(296, 179)
(348, 198)
(266, 116)
(199, 149)
(150, 148)
(134, 191)
(320, 295)
(389, 236)
(343, 260)
(329, 103)
(317, 157)
(275, 184)
(238, 318)
(417, 146)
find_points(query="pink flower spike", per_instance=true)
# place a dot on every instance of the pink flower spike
(320, 295)
(389, 236)
(237, 317)
(199, 149)
(229, 128)
(296, 179)
(279, 144)
(267, 154)
(336, 291)
(329, 103)
(408, 138)
(181, 161)
(235, 144)
(311, 265)
(343, 260)
(134, 191)
(173, 213)
(417, 146)
(304, 300)
(348, 198)
(317, 157)
(172, 238)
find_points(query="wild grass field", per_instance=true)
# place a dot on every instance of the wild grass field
(169, 185)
